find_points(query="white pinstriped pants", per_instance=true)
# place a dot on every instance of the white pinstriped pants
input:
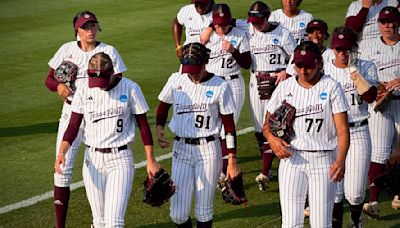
(65, 179)
(353, 186)
(257, 106)
(301, 173)
(195, 170)
(108, 181)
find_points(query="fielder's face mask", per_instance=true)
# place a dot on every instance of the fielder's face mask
(99, 78)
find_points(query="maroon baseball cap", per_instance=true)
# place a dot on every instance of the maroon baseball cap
(389, 13)
(192, 68)
(306, 58)
(342, 40)
(99, 78)
(221, 18)
(84, 19)
(317, 24)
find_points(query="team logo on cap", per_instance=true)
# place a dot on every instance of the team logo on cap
(341, 36)
(302, 24)
(123, 98)
(387, 12)
(303, 52)
(276, 41)
(87, 16)
(209, 94)
(315, 22)
(323, 95)
(221, 14)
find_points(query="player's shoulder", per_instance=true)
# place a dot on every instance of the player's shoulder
(306, 15)
(276, 14)
(364, 64)
(106, 47)
(354, 7)
(237, 32)
(69, 45)
(328, 82)
(187, 8)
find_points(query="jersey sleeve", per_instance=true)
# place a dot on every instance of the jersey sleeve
(274, 102)
(371, 74)
(244, 45)
(58, 57)
(118, 64)
(226, 103)
(138, 103)
(166, 94)
(290, 43)
(181, 16)
(77, 104)
(243, 25)
(353, 9)
(338, 99)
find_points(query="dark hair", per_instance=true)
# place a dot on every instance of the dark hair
(298, 3)
(101, 61)
(195, 53)
(261, 7)
(221, 8)
(78, 15)
(350, 32)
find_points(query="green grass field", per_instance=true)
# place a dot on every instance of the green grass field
(31, 32)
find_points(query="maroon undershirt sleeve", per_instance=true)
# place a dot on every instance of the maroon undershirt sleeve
(50, 82)
(370, 95)
(73, 127)
(144, 127)
(357, 22)
(229, 126)
(162, 113)
(243, 59)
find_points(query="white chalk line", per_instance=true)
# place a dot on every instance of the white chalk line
(74, 186)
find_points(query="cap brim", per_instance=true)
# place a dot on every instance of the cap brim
(256, 20)
(343, 44)
(98, 82)
(221, 21)
(305, 61)
(192, 68)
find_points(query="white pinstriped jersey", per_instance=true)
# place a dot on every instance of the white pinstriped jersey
(370, 29)
(194, 22)
(296, 25)
(72, 52)
(197, 107)
(270, 51)
(385, 57)
(222, 62)
(314, 109)
(109, 115)
(358, 108)
(327, 56)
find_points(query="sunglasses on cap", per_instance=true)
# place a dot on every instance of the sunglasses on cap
(99, 73)
(256, 14)
(190, 61)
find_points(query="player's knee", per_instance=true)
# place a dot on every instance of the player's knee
(62, 180)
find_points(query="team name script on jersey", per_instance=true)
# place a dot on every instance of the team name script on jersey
(266, 49)
(109, 113)
(188, 108)
(387, 64)
(347, 87)
(308, 110)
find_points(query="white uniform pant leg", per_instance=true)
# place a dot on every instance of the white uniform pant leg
(94, 178)
(207, 170)
(293, 185)
(65, 179)
(257, 106)
(120, 173)
(182, 173)
(321, 188)
(357, 165)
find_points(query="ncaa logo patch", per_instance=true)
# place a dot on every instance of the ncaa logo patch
(209, 94)
(302, 24)
(275, 41)
(323, 95)
(233, 42)
(123, 98)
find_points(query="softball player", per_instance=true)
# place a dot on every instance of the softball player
(271, 45)
(362, 17)
(79, 52)
(111, 107)
(201, 102)
(230, 52)
(384, 126)
(195, 17)
(344, 42)
(292, 18)
(310, 164)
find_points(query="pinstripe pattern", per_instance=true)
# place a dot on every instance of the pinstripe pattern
(108, 182)
(384, 127)
(194, 22)
(370, 30)
(296, 25)
(72, 52)
(109, 123)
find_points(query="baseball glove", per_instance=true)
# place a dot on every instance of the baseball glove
(281, 121)
(158, 189)
(66, 73)
(382, 100)
(389, 180)
(233, 191)
(266, 85)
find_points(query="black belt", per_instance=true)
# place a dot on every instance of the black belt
(195, 141)
(230, 77)
(358, 124)
(109, 150)
(263, 72)
(68, 101)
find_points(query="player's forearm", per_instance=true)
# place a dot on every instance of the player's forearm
(50, 82)
(266, 130)
(162, 113)
(230, 133)
(343, 134)
(149, 153)
(243, 59)
(64, 147)
(177, 32)
(73, 127)
(357, 22)
(144, 127)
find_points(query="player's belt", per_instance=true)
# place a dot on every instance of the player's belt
(230, 77)
(109, 150)
(68, 101)
(195, 141)
(263, 72)
(358, 124)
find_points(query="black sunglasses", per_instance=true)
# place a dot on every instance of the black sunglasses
(255, 14)
(99, 73)
(190, 61)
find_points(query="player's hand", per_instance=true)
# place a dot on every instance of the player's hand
(232, 170)
(63, 90)
(367, 3)
(227, 46)
(336, 173)
(281, 75)
(160, 136)
(206, 35)
(152, 167)
(393, 84)
(279, 147)
(60, 161)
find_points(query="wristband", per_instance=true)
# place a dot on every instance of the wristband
(179, 47)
